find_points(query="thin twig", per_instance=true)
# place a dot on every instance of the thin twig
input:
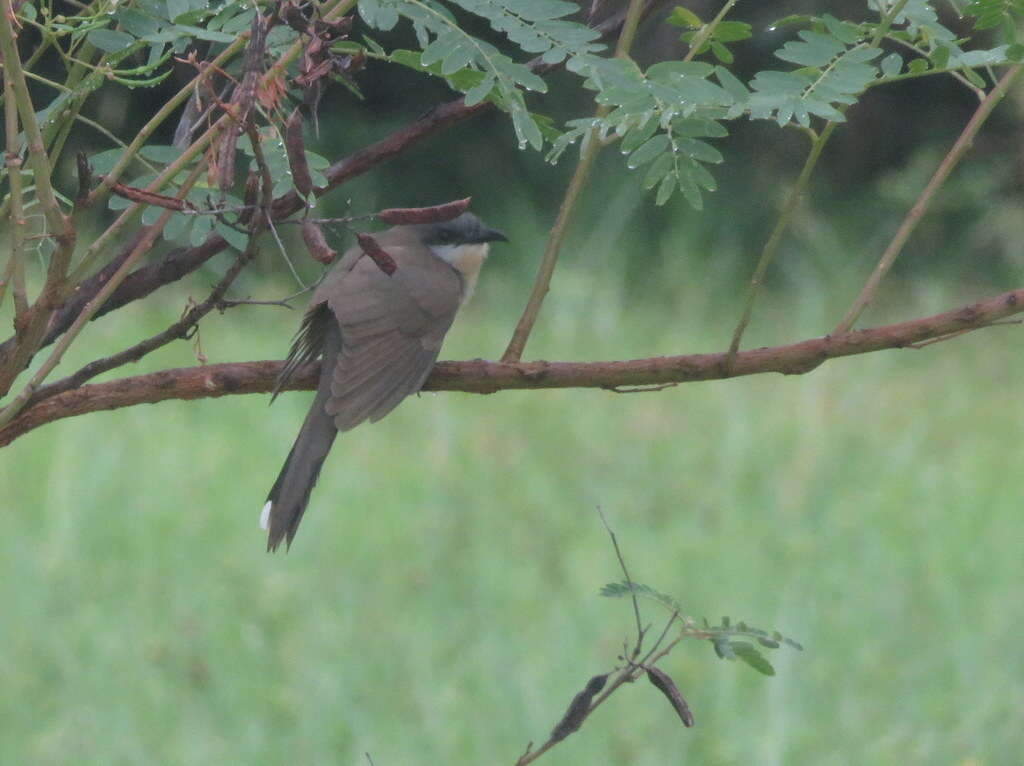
(640, 630)
(640, 389)
(958, 333)
(771, 246)
(590, 149)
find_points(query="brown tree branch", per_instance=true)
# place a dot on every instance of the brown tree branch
(483, 377)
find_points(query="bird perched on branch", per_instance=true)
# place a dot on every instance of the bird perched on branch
(379, 335)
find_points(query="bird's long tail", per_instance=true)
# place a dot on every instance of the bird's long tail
(288, 497)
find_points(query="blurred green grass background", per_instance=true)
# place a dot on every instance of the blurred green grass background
(440, 602)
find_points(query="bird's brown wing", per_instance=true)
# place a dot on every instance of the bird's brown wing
(392, 328)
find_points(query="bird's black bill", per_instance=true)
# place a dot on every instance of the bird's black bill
(492, 235)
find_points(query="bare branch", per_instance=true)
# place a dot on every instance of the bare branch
(483, 377)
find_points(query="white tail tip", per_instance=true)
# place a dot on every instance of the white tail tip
(265, 515)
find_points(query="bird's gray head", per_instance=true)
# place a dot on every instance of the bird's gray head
(466, 229)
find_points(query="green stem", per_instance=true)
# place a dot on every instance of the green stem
(14, 273)
(707, 30)
(38, 160)
(771, 247)
(590, 149)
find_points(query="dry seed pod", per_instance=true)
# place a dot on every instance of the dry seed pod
(251, 198)
(664, 683)
(316, 243)
(433, 214)
(578, 708)
(380, 256)
(295, 146)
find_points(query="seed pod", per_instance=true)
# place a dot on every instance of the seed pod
(84, 178)
(380, 256)
(251, 198)
(295, 146)
(432, 214)
(664, 683)
(578, 709)
(316, 242)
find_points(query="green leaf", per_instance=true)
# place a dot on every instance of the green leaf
(721, 52)
(526, 129)
(176, 226)
(104, 162)
(684, 17)
(176, 8)
(732, 84)
(624, 589)
(795, 19)
(201, 229)
(750, 655)
(650, 149)
(378, 15)
(732, 31)
(723, 648)
(698, 150)
(157, 153)
(138, 23)
(480, 91)
(199, 33)
(843, 31)
(110, 40)
(665, 189)
(974, 78)
(1015, 52)
(940, 57)
(637, 135)
(891, 65)
(237, 239)
(815, 49)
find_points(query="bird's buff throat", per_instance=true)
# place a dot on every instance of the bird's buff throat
(465, 259)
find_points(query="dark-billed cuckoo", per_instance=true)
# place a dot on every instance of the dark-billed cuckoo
(379, 336)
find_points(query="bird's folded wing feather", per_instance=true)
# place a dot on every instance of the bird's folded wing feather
(392, 328)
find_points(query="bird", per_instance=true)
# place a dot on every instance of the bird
(379, 336)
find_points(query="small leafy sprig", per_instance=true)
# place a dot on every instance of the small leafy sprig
(640, 659)
(722, 636)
